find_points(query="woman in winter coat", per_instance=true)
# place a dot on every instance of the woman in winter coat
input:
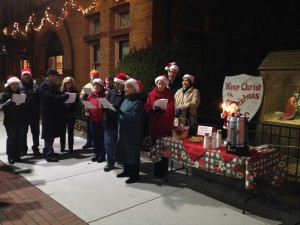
(96, 119)
(69, 114)
(161, 120)
(130, 129)
(187, 100)
(14, 120)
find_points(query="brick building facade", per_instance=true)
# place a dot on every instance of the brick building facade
(97, 40)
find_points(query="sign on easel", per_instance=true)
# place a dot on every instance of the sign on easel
(204, 129)
(246, 90)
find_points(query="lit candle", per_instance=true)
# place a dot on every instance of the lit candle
(223, 106)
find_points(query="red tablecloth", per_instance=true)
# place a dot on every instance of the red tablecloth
(195, 150)
(267, 164)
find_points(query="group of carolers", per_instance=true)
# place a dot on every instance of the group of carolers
(114, 134)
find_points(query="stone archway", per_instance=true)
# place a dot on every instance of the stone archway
(40, 57)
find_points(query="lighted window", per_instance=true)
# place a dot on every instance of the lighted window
(24, 63)
(56, 62)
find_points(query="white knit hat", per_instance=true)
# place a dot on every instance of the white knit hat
(172, 66)
(137, 85)
(99, 81)
(12, 79)
(162, 78)
(120, 78)
(190, 77)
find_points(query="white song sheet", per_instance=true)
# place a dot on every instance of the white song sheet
(88, 105)
(87, 91)
(162, 103)
(106, 104)
(72, 97)
(19, 98)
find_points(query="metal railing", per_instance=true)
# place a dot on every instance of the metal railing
(285, 138)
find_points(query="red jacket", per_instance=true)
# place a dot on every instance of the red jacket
(96, 115)
(161, 125)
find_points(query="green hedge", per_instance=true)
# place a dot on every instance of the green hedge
(147, 63)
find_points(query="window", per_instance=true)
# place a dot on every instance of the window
(96, 57)
(96, 26)
(24, 63)
(124, 19)
(123, 48)
(56, 62)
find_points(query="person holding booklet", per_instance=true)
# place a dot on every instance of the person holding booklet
(85, 92)
(96, 119)
(14, 120)
(69, 113)
(32, 110)
(161, 110)
(115, 97)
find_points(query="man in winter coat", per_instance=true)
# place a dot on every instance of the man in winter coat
(173, 70)
(32, 110)
(52, 102)
(130, 128)
(110, 122)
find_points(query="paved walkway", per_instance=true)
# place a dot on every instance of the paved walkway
(23, 203)
(77, 191)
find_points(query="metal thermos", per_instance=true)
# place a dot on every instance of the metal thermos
(237, 135)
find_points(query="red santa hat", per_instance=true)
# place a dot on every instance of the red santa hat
(95, 73)
(172, 66)
(190, 77)
(26, 70)
(120, 78)
(99, 81)
(12, 79)
(137, 85)
(162, 78)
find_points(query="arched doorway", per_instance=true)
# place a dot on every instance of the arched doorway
(55, 54)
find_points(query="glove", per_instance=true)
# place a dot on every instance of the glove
(158, 110)
(151, 112)
(8, 105)
(65, 96)
(178, 112)
(84, 97)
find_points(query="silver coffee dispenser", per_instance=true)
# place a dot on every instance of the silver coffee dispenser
(237, 136)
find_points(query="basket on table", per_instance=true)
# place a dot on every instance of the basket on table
(181, 131)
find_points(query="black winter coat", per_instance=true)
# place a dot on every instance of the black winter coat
(52, 103)
(13, 114)
(69, 109)
(110, 120)
(175, 85)
(32, 103)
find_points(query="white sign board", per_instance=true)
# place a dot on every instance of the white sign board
(246, 90)
(204, 129)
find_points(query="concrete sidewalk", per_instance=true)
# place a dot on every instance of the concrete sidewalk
(97, 197)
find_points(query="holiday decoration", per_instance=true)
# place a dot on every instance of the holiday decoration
(32, 24)
(231, 108)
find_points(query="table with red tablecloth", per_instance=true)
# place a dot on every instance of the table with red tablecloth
(259, 164)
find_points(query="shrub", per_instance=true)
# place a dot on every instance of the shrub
(147, 63)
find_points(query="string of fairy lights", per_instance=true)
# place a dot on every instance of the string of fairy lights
(17, 32)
